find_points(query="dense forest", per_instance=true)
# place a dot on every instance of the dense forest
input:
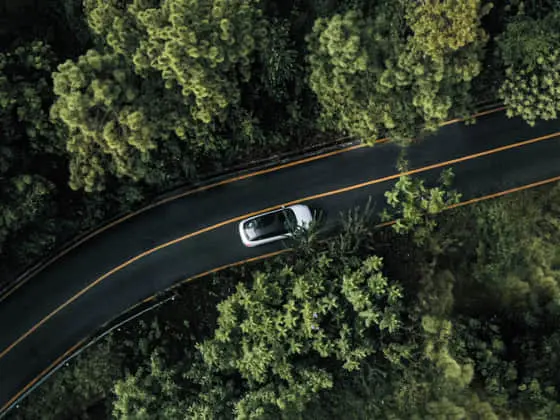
(106, 103)
(444, 315)
(453, 314)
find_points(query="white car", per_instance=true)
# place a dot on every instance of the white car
(274, 225)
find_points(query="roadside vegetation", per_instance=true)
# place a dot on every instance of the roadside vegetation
(106, 103)
(444, 314)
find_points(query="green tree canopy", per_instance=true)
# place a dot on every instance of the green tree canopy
(529, 50)
(202, 48)
(25, 96)
(117, 122)
(286, 333)
(164, 79)
(412, 205)
(152, 394)
(29, 143)
(444, 26)
(373, 76)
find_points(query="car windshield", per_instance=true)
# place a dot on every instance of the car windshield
(269, 225)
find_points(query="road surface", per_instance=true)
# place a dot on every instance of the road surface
(147, 253)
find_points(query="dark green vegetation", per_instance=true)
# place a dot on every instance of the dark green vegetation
(106, 103)
(448, 314)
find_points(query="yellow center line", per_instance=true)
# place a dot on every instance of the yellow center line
(380, 225)
(265, 256)
(29, 274)
(238, 218)
(181, 195)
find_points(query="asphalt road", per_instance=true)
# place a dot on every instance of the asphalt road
(52, 312)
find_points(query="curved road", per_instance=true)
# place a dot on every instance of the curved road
(93, 283)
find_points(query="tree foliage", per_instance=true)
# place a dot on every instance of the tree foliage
(529, 50)
(114, 120)
(444, 26)
(26, 138)
(280, 59)
(484, 335)
(202, 48)
(372, 76)
(324, 317)
(25, 199)
(150, 394)
(141, 93)
(506, 283)
(25, 93)
(411, 205)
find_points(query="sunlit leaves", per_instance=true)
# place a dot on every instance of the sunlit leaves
(313, 314)
(220, 38)
(151, 395)
(339, 57)
(160, 90)
(529, 49)
(107, 130)
(395, 72)
(411, 204)
(443, 26)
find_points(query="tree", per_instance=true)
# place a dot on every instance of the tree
(114, 120)
(153, 394)
(506, 287)
(372, 76)
(325, 317)
(26, 198)
(219, 38)
(528, 48)
(450, 33)
(444, 26)
(30, 147)
(428, 378)
(346, 58)
(25, 96)
(140, 97)
(75, 387)
(508, 249)
(412, 205)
